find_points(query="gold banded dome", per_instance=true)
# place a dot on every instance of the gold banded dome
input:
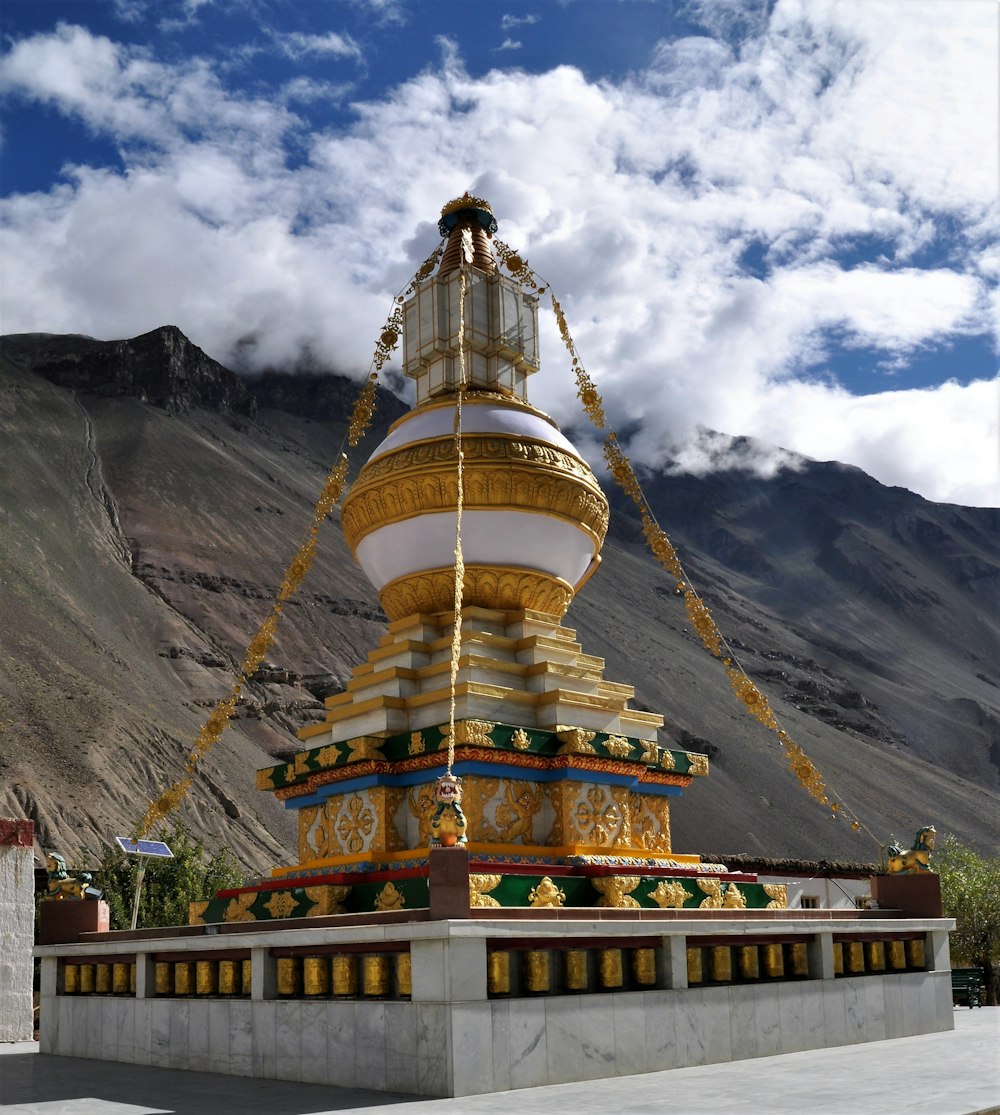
(534, 517)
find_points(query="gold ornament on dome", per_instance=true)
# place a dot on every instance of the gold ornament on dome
(281, 904)
(778, 893)
(616, 890)
(389, 898)
(466, 201)
(546, 894)
(520, 739)
(499, 475)
(669, 895)
(431, 591)
(479, 886)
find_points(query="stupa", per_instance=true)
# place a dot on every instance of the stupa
(542, 929)
(561, 778)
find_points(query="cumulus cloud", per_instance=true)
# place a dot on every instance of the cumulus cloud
(699, 221)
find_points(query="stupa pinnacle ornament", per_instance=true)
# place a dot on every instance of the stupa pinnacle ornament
(534, 517)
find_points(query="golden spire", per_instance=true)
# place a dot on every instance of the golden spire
(472, 215)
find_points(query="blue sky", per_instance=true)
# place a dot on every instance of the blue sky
(775, 220)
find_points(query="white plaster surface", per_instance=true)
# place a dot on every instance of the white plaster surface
(17, 910)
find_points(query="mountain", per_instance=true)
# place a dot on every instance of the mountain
(150, 499)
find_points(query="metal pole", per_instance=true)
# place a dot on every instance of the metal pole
(138, 887)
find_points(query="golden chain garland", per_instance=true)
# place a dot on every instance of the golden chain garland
(456, 630)
(755, 702)
(295, 573)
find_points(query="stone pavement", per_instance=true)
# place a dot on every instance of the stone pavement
(955, 1073)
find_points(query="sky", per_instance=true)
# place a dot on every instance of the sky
(772, 220)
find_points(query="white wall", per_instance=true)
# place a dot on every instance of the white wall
(17, 910)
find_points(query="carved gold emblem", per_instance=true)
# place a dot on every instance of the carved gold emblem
(575, 741)
(520, 739)
(389, 898)
(365, 747)
(479, 885)
(546, 894)
(516, 813)
(667, 760)
(669, 895)
(355, 823)
(300, 764)
(713, 891)
(239, 908)
(328, 756)
(196, 912)
(281, 904)
(734, 898)
(417, 744)
(327, 900)
(778, 893)
(618, 746)
(616, 890)
(265, 779)
(699, 764)
(650, 754)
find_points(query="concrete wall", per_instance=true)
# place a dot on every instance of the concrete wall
(469, 1048)
(17, 924)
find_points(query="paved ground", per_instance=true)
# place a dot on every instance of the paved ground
(956, 1073)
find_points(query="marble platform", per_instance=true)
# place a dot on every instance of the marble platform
(451, 1036)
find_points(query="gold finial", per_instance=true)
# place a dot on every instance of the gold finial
(477, 208)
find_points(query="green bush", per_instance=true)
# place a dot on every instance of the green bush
(169, 884)
(970, 893)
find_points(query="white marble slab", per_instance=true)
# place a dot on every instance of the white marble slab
(661, 1029)
(628, 1016)
(400, 1048)
(369, 1030)
(471, 1059)
(341, 1045)
(792, 1021)
(742, 1022)
(768, 1015)
(432, 1049)
(528, 1049)
(563, 1025)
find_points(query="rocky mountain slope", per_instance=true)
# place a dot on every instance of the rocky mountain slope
(150, 499)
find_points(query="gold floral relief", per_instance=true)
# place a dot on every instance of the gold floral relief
(365, 747)
(650, 753)
(281, 904)
(712, 889)
(616, 890)
(546, 894)
(599, 815)
(734, 898)
(667, 761)
(389, 898)
(669, 895)
(355, 823)
(422, 805)
(308, 848)
(328, 756)
(475, 733)
(650, 816)
(265, 779)
(515, 814)
(478, 793)
(239, 908)
(778, 893)
(327, 900)
(433, 590)
(417, 744)
(300, 764)
(479, 886)
(699, 764)
(575, 741)
(520, 739)
(618, 746)
(556, 837)
(388, 801)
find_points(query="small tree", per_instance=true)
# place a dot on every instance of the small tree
(970, 893)
(169, 885)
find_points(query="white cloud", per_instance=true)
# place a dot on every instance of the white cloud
(509, 44)
(296, 44)
(636, 200)
(509, 21)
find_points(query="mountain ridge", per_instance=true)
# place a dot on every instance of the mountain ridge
(156, 498)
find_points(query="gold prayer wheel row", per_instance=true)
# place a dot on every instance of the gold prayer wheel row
(370, 975)
(548, 971)
(743, 963)
(203, 977)
(857, 958)
(99, 979)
